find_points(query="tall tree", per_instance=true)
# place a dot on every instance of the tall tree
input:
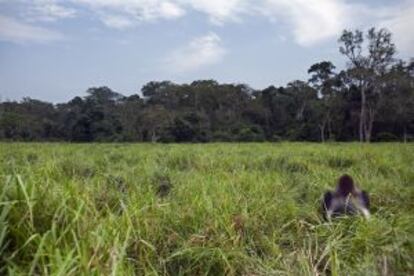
(397, 107)
(323, 79)
(367, 69)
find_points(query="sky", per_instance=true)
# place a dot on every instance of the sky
(54, 50)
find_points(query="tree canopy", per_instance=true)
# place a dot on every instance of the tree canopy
(370, 100)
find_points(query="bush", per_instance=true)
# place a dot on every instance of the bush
(222, 136)
(386, 137)
(251, 134)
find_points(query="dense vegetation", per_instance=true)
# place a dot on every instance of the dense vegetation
(245, 209)
(372, 99)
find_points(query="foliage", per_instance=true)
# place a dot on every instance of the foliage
(373, 95)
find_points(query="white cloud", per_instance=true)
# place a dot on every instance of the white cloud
(137, 10)
(308, 22)
(117, 22)
(18, 32)
(315, 21)
(170, 10)
(311, 21)
(48, 10)
(220, 11)
(200, 52)
(401, 23)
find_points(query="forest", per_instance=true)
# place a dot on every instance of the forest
(372, 99)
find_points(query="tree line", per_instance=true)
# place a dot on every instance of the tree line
(371, 100)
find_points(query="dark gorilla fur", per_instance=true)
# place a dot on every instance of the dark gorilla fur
(347, 199)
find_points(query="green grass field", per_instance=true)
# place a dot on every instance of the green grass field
(214, 209)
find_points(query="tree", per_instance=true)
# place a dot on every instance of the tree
(129, 113)
(157, 121)
(367, 70)
(343, 106)
(397, 105)
(100, 109)
(324, 80)
(302, 120)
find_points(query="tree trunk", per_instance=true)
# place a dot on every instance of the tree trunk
(362, 116)
(299, 115)
(369, 124)
(367, 134)
(329, 127)
(322, 129)
(154, 137)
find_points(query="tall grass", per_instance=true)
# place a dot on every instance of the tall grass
(234, 209)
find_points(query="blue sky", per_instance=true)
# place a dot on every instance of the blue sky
(54, 49)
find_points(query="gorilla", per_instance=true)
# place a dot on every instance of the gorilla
(347, 199)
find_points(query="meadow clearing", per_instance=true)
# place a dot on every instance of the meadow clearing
(202, 209)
